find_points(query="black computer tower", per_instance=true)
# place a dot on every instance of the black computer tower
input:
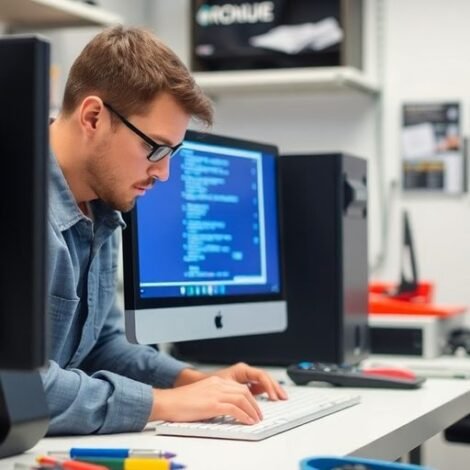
(324, 216)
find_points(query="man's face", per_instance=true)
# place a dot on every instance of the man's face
(119, 170)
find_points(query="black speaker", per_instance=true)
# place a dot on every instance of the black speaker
(324, 217)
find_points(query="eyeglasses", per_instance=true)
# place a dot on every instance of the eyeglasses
(157, 151)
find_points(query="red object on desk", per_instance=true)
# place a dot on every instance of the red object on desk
(398, 372)
(417, 302)
(69, 464)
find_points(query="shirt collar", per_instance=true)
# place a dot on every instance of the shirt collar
(64, 208)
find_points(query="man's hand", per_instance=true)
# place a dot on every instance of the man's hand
(206, 398)
(228, 391)
(258, 380)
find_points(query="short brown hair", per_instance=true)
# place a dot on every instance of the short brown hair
(128, 67)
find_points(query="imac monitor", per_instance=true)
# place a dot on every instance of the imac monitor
(202, 251)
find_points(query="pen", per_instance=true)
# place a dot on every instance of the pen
(25, 466)
(137, 463)
(120, 453)
(68, 464)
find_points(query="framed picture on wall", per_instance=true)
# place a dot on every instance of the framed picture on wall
(432, 148)
(252, 35)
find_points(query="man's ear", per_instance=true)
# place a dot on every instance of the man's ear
(91, 114)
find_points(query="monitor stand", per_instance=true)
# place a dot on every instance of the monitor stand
(24, 415)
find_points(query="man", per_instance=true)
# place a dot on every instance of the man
(127, 103)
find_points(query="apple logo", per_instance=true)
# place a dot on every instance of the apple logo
(218, 320)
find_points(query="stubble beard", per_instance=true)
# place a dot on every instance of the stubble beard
(106, 185)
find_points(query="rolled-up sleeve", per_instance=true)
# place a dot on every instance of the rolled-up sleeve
(101, 403)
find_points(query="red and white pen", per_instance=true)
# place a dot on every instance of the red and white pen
(69, 464)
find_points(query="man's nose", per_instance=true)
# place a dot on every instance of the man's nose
(160, 170)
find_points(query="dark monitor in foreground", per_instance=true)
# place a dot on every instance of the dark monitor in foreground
(23, 149)
(24, 105)
(202, 251)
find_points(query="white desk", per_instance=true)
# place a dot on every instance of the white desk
(387, 424)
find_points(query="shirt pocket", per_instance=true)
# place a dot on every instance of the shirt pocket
(61, 312)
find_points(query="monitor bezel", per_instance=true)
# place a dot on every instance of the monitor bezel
(132, 299)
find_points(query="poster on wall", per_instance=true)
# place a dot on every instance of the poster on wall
(432, 148)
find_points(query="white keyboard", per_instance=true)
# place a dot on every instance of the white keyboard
(304, 404)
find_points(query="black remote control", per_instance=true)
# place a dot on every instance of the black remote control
(305, 372)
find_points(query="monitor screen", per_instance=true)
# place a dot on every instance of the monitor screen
(24, 104)
(202, 251)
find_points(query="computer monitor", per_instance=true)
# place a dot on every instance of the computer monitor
(409, 268)
(202, 251)
(24, 105)
(408, 283)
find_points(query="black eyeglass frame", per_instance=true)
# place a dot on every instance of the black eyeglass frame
(152, 156)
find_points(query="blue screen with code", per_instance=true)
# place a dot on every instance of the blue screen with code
(212, 228)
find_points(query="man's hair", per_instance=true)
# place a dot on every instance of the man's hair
(128, 67)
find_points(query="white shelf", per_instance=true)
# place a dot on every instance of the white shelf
(286, 80)
(17, 14)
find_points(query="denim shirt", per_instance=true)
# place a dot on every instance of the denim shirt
(95, 381)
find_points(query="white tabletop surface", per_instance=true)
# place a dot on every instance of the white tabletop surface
(387, 424)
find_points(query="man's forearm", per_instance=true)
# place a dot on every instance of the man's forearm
(105, 402)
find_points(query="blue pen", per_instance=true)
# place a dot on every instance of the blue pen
(77, 452)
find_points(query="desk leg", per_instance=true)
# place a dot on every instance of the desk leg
(415, 456)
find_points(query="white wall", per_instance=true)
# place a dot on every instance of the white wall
(426, 57)
(172, 24)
